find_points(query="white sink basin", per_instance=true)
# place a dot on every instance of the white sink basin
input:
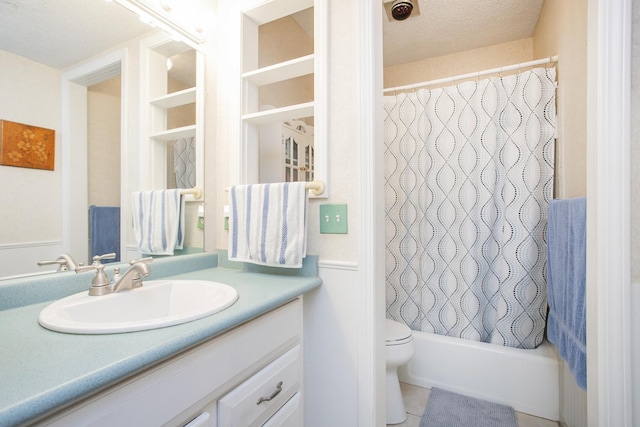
(158, 303)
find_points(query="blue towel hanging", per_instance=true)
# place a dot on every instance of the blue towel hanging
(566, 283)
(104, 225)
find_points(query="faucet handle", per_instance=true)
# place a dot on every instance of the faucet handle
(101, 278)
(96, 259)
(64, 261)
(62, 264)
(147, 260)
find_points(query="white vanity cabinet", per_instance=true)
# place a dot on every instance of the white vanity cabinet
(249, 376)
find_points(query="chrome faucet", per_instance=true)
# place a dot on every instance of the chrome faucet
(133, 277)
(101, 285)
(64, 261)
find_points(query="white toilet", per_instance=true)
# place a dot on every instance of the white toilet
(400, 348)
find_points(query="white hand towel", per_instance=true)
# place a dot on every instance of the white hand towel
(158, 221)
(268, 224)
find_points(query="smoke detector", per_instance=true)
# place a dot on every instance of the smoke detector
(399, 10)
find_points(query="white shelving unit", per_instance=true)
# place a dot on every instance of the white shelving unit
(280, 114)
(176, 99)
(157, 104)
(177, 133)
(254, 78)
(283, 71)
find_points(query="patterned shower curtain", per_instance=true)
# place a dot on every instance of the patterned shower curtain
(468, 177)
(184, 162)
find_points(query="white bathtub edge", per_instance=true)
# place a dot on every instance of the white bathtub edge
(527, 380)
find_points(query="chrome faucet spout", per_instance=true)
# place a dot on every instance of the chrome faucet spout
(132, 278)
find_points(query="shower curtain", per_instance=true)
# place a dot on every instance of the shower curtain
(468, 178)
(184, 162)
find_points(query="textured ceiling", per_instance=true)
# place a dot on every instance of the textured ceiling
(60, 33)
(448, 26)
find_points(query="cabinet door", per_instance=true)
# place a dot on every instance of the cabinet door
(202, 420)
(298, 155)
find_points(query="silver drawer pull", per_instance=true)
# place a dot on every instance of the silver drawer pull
(273, 395)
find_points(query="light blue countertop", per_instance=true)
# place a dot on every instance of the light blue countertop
(42, 371)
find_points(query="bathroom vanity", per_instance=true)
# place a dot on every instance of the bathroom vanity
(239, 367)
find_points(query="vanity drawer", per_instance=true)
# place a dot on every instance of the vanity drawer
(259, 397)
(290, 415)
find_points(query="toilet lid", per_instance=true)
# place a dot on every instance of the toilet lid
(397, 331)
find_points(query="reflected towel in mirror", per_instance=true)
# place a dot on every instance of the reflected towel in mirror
(158, 221)
(104, 231)
(268, 224)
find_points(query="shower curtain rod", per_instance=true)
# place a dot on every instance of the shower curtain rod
(476, 74)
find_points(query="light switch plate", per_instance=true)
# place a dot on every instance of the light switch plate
(333, 219)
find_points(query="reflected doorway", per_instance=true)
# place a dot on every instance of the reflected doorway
(75, 149)
(104, 106)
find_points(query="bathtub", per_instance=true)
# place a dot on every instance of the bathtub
(527, 380)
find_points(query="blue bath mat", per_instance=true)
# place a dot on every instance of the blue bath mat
(447, 409)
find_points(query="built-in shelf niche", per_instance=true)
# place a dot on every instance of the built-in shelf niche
(283, 71)
(254, 77)
(177, 133)
(176, 99)
(280, 114)
(162, 99)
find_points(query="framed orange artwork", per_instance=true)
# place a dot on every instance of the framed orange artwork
(26, 146)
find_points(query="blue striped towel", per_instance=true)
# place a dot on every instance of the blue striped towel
(158, 221)
(268, 224)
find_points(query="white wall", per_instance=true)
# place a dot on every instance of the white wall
(331, 362)
(29, 198)
(635, 206)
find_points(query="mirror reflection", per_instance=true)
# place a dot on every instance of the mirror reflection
(181, 152)
(46, 213)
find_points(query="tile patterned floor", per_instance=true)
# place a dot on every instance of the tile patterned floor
(415, 402)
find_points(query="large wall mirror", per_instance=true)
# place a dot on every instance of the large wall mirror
(74, 66)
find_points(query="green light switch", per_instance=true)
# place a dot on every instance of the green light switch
(333, 219)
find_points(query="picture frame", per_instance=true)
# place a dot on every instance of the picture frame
(26, 146)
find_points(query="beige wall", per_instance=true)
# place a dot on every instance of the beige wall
(455, 64)
(30, 198)
(562, 31)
